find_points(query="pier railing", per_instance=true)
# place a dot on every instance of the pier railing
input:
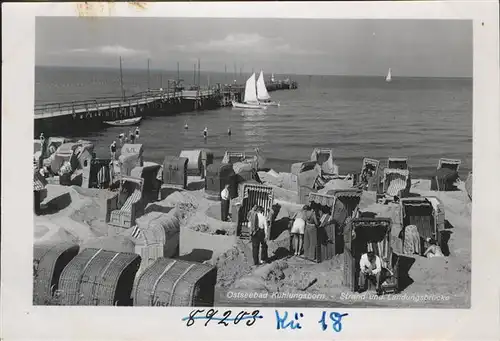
(101, 103)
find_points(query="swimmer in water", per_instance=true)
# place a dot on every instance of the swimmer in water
(205, 132)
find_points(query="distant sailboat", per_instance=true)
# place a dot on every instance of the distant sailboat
(388, 79)
(250, 100)
(262, 94)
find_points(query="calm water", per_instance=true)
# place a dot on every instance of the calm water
(424, 119)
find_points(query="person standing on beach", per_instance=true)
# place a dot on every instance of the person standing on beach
(260, 236)
(112, 150)
(186, 127)
(225, 197)
(137, 132)
(132, 137)
(205, 132)
(298, 230)
(229, 131)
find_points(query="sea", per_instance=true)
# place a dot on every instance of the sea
(424, 119)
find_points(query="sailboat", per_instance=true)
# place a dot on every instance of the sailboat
(128, 121)
(250, 100)
(388, 79)
(262, 94)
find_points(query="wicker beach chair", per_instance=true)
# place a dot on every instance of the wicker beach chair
(325, 159)
(49, 260)
(369, 234)
(175, 172)
(233, 157)
(174, 283)
(426, 213)
(252, 194)
(396, 182)
(323, 243)
(99, 277)
(397, 163)
(369, 175)
(218, 175)
(124, 215)
(195, 165)
(453, 164)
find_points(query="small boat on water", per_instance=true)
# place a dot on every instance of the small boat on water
(125, 123)
(388, 79)
(262, 94)
(250, 100)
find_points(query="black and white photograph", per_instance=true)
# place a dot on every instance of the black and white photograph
(252, 162)
(227, 170)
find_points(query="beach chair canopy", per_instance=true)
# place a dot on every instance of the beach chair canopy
(233, 157)
(129, 148)
(426, 213)
(329, 198)
(395, 180)
(194, 160)
(66, 149)
(324, 158)
(370, 164)
(397, 163)
(99, 277)
(175, 170)
(452, 164)
(444, 179)
(300, 167)
(207, 157)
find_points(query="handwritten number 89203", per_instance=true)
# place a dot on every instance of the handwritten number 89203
(224, 319)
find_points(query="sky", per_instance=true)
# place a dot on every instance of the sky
(363, 47)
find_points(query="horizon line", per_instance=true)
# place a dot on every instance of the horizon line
(244, 73)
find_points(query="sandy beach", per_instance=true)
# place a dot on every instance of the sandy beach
(78, 215)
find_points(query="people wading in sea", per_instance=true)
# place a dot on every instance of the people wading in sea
(112, 150)
(205, 132)
(137, 132)
(121, 137)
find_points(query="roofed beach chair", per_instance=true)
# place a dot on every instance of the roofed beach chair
(324, 158)
(363, 235)
(99, 277)
(397, 163)
(396, 182)
(123, 208)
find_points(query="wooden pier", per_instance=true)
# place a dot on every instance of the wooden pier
(80, 116)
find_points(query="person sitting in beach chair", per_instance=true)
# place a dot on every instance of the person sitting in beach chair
(370, 268)
(433, 250)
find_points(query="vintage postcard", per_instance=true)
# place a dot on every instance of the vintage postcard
(263, 170)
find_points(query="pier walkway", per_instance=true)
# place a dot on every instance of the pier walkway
(43, 111)
(89, 114)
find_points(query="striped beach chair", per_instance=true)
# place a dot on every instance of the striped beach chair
(126, 214)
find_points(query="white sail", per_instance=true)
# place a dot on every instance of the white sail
(250, 90)
(262, 93)
(389, 76)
